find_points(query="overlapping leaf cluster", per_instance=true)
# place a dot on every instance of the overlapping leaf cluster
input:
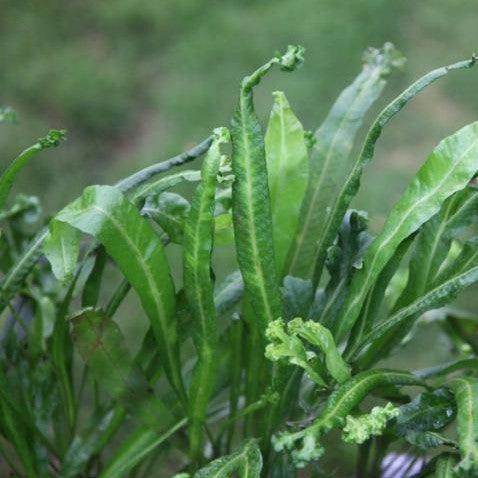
(242, 372)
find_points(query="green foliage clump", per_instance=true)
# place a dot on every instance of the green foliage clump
(244, 374)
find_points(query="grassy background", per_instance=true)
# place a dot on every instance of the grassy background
(136, 81)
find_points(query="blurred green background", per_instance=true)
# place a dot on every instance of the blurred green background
(136, 81)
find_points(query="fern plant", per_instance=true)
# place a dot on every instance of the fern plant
(245, 375)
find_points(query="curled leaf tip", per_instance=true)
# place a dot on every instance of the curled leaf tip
(310, 449)
(275, 330)
(52, 139)
(359, 429)
(221, 135)
(385, 58)
(292, 58)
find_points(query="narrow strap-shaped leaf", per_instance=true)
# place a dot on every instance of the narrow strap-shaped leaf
(103, 212)
(351, 184)
(288, 170)
(434, 298)
(52, 139)
(448, 169)
(228, 293)
(330, 160)
(84, 447)
(466, 396)
(429, 253)
(102, 347)
(145, 174)
(372, 308)
(246, 462)
(13, 280)
(199, 289)
(135, 448)
(250, 193)
(352, 392)
(304, 443)
(449, 367)
(445, 466)
(434, 241)
(167, 182)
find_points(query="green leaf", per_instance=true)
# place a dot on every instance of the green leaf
(445, 466)
(163, 184)
(330, 161)
(428, 412)
(199, 289)
(360, 429)
(103, 212)
(14, 279)
(140, 177)
(52, 139)
(228, 293)
(466, 395)
(169, 211)
(373, 308)
(288, 346)
(62, 249)
(448, 169)
(246, 462)
(436, 297)
(135, 448)
(251, 208)
(304, 444)
(102, 347)
(298, 296)
(351, 183)
(320, 337)
(96, 437)
(92, 287)
(288, 170)
(344, 258)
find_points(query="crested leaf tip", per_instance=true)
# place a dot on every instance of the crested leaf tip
(292, 58)
(385, 58)
(52, 139)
